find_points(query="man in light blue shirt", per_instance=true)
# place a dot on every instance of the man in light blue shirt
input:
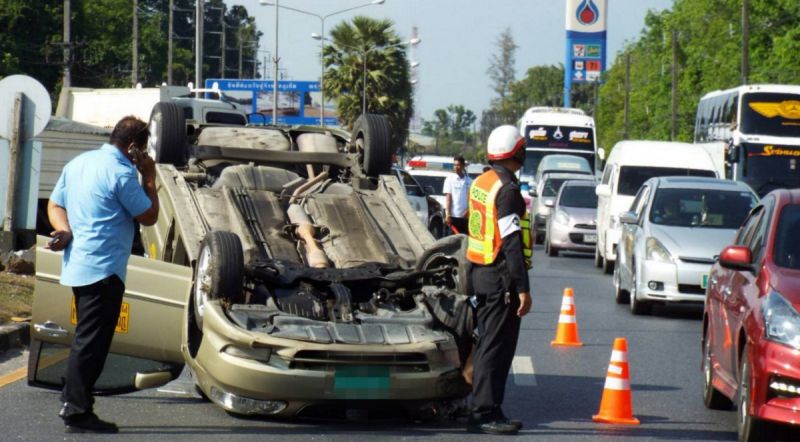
(92, 210)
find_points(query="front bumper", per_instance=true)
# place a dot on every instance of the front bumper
(301, 373)
(571, 237)
(775, 364)
(672, 281)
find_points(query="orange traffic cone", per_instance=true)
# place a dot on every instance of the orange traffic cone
(615, 406)
(567, 330)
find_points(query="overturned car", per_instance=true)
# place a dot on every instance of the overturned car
(287, 270)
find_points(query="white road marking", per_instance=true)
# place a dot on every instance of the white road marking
(522, 368)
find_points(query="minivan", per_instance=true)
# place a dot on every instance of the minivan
(629, 165)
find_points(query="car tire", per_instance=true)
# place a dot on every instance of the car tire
(436, 228)
(219, 272)
(621, 296)
(450, 248)
(372, 137)
(638, 307)
(548, 247)
(712, 398)
(608, 266)
(598, 260)
(750, 428)
(167, 143)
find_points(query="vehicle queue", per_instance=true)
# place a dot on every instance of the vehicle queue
(677, 223)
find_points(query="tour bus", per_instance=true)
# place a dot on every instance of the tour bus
(754, 132)
(556, 130)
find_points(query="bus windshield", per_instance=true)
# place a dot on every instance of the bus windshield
(769, 113)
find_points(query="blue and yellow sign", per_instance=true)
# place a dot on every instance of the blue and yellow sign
(586, 43)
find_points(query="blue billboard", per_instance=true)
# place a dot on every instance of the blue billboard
(586, 43)
(299, 102)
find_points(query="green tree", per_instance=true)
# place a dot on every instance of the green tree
(371, 46)
(451, 127)
(501, 71)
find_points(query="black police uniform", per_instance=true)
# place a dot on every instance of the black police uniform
(496, 288)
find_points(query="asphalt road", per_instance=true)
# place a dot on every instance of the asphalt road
(555, 391)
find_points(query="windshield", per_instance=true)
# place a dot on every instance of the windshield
(770, 167)
(552, 185)
(701, 208)
(787, 247)
(534, 157)
(765, 113)
(437, 182)
(631, 178)
(578, 196)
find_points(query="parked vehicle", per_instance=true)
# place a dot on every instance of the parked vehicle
(573, 225)
(751, 321)
(544, 197)
(630, 164)
(288, 272)
(474, 170)
(671, 236)
(427, 208)
(753, 133)
(431, 171)
(557, 130)
(563, 164)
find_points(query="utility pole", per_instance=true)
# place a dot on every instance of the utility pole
(240, 54)
(627, 94)
(745, 40)
(67, 43)
(275, 60)
(674, 125)
(224, 42)
(198, 41)
(169, 43)
(255, 59)
(135, 44)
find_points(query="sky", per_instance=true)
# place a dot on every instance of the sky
(457, 39)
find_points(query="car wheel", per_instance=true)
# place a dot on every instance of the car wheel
(167, 142)
(638, 307)
(219, 272)
(750, 428)
(712, 398)
(608, 266)
(548, 247)
(598, 260)
(621, 296)
(436, 228)
(445, 251)
(372, 137)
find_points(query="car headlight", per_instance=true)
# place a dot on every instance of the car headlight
(256, 354)
(561, 217)
(781, 320)
(655, 251)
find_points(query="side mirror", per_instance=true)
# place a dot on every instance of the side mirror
(428, 190)
(532, 192)
(737, 258)
(603, 190)
(628, 218)
(550, 203)
(601, 153)
(733, 153)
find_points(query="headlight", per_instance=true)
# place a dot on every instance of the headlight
(256, 354)
(561, 217)
(781, 320)
(614, 222)
(655, 251)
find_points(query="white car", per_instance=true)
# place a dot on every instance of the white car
(672, 235)
(427, 208)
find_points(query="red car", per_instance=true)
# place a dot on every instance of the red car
(751, 324)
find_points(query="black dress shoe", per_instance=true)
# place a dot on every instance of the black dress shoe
(492, 427)
(515, 422)
(88, 423)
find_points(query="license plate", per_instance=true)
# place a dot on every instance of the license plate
(122, 321)
(704, 282)
(590, 238)
(363, 378)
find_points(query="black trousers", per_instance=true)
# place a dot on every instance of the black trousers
(460, 224)
(498, 331)
(97, 307)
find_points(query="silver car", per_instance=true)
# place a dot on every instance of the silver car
(544, 198)
(671, 236)
(573, 225)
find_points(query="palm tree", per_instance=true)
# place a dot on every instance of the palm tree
(388, 86)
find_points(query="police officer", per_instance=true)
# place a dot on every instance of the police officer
(500, 251)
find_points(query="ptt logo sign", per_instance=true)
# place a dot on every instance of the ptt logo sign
(587, 13)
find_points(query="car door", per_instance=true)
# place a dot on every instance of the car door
(146, 349)
(603, 207)
(416, 195)
(630, 237)
(727, 300)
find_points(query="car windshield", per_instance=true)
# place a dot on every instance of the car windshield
(552, 185)
(701, 208)
(631, 178)
(787, 247)
(437, 182)
(578, 196)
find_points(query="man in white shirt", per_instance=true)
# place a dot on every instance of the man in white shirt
(456, 191)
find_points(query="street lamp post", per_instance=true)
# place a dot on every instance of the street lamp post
(321, 38)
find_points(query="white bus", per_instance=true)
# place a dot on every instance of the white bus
(754, 132)
(556, 130)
